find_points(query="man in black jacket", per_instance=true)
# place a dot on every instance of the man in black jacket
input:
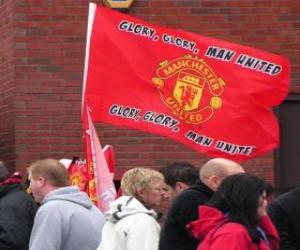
(17, 210)
(285, 214)
(184, 209)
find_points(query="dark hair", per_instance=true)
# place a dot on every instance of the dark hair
(4, 174)
(180, 171)
(238, 197)
(269, 189)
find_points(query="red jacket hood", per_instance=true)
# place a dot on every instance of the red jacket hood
(209, 218)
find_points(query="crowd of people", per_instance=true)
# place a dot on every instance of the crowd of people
(216, 207)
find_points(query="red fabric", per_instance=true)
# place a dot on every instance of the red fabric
(214, 96)
(210, 218)
(215, 234)
(101, 187)
(91, 182)
(15, 178)
(78, 172)
(271, 232)
(110, 157)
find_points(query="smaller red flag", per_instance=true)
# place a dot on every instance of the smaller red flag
(110, 157)
(101, 186)
(78, 173)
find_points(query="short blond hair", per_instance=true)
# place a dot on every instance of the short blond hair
(52, 170)
(137, 179)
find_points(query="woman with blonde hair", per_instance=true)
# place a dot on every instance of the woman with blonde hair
(131, 222)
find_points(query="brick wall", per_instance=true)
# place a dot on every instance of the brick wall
(7, 115)
(49, 46)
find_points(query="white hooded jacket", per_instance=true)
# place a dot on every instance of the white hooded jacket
(130, 226)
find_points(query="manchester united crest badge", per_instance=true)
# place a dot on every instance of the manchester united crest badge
(190, 88)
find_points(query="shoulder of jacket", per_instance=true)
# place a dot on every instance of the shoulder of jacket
(52, 208)
(16, 195)
(126, 226)
(232, 228)
(138, 220)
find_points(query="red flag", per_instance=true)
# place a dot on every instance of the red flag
(101, 188)
(110, 157)
(212, 95)
(79, 174)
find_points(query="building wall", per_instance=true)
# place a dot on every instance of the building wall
(7, 91)
(49, 45)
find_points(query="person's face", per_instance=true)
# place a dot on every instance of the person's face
(169, 192)
(154, 194)
(173, 192)
(262, 205)
(35, 187)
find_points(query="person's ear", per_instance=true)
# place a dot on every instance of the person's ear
(180, 186)
(141, 194)
(214, 182)
(41, 182)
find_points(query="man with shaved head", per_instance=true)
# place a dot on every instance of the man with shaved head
(184, 208)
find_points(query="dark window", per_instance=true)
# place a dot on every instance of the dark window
(287, 162)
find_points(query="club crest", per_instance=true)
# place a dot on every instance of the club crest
(190, 88)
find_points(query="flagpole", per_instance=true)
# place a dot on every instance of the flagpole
(91, 16)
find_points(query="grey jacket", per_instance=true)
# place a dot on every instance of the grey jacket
(67, 220)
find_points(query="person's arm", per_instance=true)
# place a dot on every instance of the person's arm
(269, 229)
(10, 236)
(283, 225)
(231, 238)
(6, 239)
(15, 224)
(187, 209)
(47, 230)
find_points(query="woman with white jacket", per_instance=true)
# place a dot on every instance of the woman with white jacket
(131, 222)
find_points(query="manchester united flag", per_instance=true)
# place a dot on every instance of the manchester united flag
(214, 96)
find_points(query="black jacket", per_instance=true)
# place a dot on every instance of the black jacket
(17, 210)
(183, 210)
(285, 214)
